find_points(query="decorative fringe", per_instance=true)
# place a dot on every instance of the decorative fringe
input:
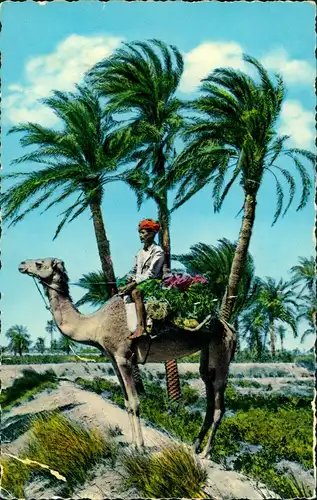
(138, 380)
(173, 383)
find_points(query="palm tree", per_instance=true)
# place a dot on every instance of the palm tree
(40, 345)
(138, 80)
(307, 312)
(142, 81)
(235, 134)
(65, 344)
(50, 328)
(277, 303)
(254, 326)
(281, 332)
(19, 339)
(304, 274)
(96, 294)
(80, 160)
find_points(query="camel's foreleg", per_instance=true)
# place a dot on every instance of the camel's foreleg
(125, 368)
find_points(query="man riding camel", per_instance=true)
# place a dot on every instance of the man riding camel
(148, 265)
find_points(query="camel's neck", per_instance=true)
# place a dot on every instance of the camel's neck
(67, 317)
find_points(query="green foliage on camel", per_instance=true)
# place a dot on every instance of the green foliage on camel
(181, 297)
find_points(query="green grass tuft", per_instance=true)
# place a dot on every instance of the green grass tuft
(64, 446)
(27, 385)
(174, 472)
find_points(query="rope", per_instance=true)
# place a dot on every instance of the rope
(46, 306)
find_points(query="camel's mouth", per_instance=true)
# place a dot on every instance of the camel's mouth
(24, 270)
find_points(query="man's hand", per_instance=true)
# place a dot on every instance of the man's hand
(128, 288)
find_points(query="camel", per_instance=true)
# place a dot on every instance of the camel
(108, 330)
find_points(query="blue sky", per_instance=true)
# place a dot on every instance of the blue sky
(50, 46)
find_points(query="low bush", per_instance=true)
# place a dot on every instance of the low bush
(50, 358)
(174, 472)
(27, 385)
(248, 383)
(190, 375)
(59, 443)
(259, 466)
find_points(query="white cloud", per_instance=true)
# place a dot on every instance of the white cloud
(60, 70)
(204, 58)
(294, 71)
(298, 123)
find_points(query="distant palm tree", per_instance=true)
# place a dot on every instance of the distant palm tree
(50, 328)
(307, 312)
(304, 275)
(254, 326)
(80, 160)
(235, 134)
(19, 339)
(281, 332)
(40, 345)
(65, 344)
(96, 294)
(277, 302)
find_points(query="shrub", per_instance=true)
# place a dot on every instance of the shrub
(174, 472)
(190, 375)
(248, 383)
(260, 467)
(50, 358)
(28, 384)
(60, 444)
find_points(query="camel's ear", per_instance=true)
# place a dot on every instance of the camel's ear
(59, 265)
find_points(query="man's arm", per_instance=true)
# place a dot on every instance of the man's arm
(155, 268)
(132, 274)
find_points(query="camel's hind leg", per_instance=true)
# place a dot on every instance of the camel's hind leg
(214, 372)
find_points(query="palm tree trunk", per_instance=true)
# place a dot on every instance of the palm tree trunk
(164, 235)
(240, 256)
(103, 248)
(171, 369)
(272, 339)
(236, 327)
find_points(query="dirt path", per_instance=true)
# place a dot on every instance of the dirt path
(95, 411)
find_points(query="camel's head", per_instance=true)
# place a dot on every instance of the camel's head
(46, 270)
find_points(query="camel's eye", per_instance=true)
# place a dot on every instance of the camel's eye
(38, 264)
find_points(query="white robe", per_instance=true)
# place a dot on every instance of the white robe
(148, 264)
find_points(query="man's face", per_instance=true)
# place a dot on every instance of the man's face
(146, 236)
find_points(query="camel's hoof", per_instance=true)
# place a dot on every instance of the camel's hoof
(195, 448)
(203, 455)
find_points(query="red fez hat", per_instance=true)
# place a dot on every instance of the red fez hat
(150, 225)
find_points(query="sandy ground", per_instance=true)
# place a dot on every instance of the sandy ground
(90, 370)
(94, 411)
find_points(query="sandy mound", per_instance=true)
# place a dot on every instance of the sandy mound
(94, 411)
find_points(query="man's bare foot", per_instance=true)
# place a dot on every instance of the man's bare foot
(138, 333)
